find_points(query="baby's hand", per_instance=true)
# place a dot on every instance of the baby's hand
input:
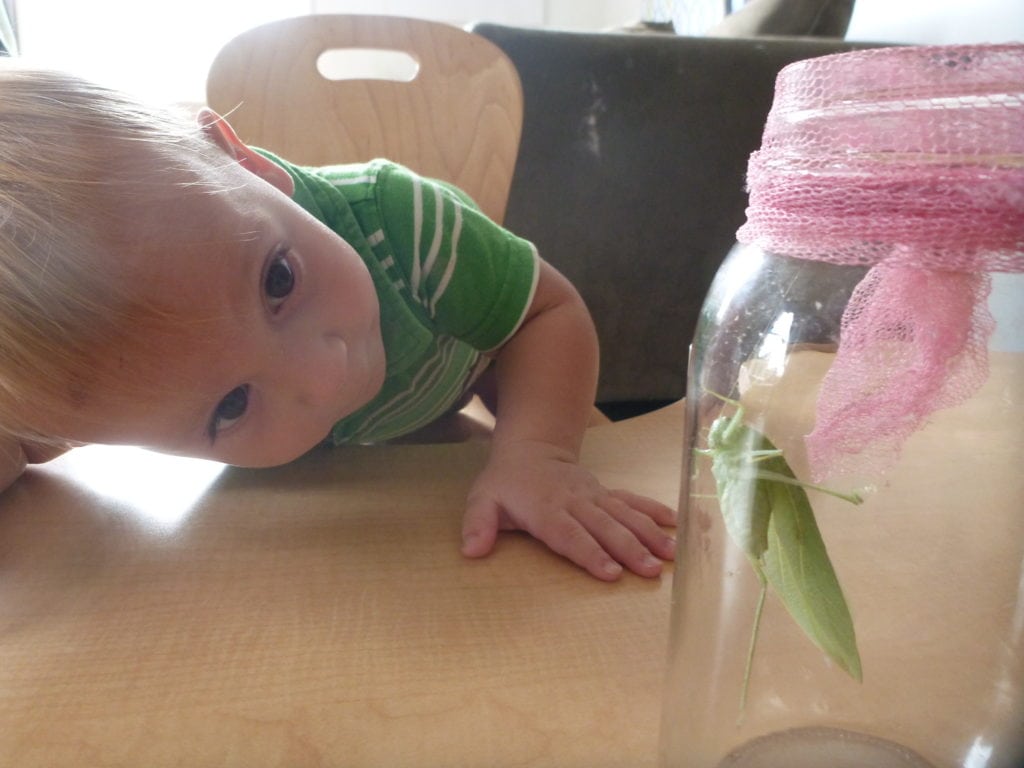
(16, 454)
(12, 461)
(539, 488)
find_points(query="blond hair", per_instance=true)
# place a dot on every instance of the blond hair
(70, 172)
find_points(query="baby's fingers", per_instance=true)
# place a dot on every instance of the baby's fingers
(606, 524)
(658, 512)
(565, 535)
(595, 540)
(479, 526)
(642, 526)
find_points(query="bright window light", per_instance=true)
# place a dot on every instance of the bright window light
(159, 490)
(158, 51)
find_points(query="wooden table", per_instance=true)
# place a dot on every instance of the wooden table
(157, 611)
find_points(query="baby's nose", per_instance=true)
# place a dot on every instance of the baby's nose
(317, 371)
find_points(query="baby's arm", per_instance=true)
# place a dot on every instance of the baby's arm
(12, 461)
(546, 378)
(15, 455)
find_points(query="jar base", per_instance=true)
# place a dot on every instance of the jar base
(815, 747)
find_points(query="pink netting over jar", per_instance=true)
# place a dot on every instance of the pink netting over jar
(910, 160)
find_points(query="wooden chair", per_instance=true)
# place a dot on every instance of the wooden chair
(458, 119)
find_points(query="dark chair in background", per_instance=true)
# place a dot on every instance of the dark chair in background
(630, 179)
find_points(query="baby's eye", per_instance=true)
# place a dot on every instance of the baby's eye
(278, 279)
(229, 410)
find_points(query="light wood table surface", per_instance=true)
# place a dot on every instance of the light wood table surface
(157, 611)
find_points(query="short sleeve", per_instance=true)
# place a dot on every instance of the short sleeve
(474, 279)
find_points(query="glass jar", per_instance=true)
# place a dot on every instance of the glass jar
(849, 588)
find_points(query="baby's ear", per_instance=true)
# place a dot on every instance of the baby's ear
(220, 132)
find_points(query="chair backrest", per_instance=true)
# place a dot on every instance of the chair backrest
(458, 120)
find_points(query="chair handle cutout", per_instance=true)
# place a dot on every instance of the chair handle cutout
(367, 64)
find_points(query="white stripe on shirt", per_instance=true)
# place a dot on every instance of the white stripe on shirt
(450, 268)
(340, 181)
(417, 228)
(435, 243)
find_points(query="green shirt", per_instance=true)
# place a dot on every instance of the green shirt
(452, 285)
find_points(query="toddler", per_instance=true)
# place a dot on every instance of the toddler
(163, 284)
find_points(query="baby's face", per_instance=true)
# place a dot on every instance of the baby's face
(275, 335)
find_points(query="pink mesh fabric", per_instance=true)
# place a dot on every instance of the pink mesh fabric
(920, 148)
(910, 160)
(913, 340)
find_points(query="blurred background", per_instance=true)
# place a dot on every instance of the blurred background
(162, 50)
